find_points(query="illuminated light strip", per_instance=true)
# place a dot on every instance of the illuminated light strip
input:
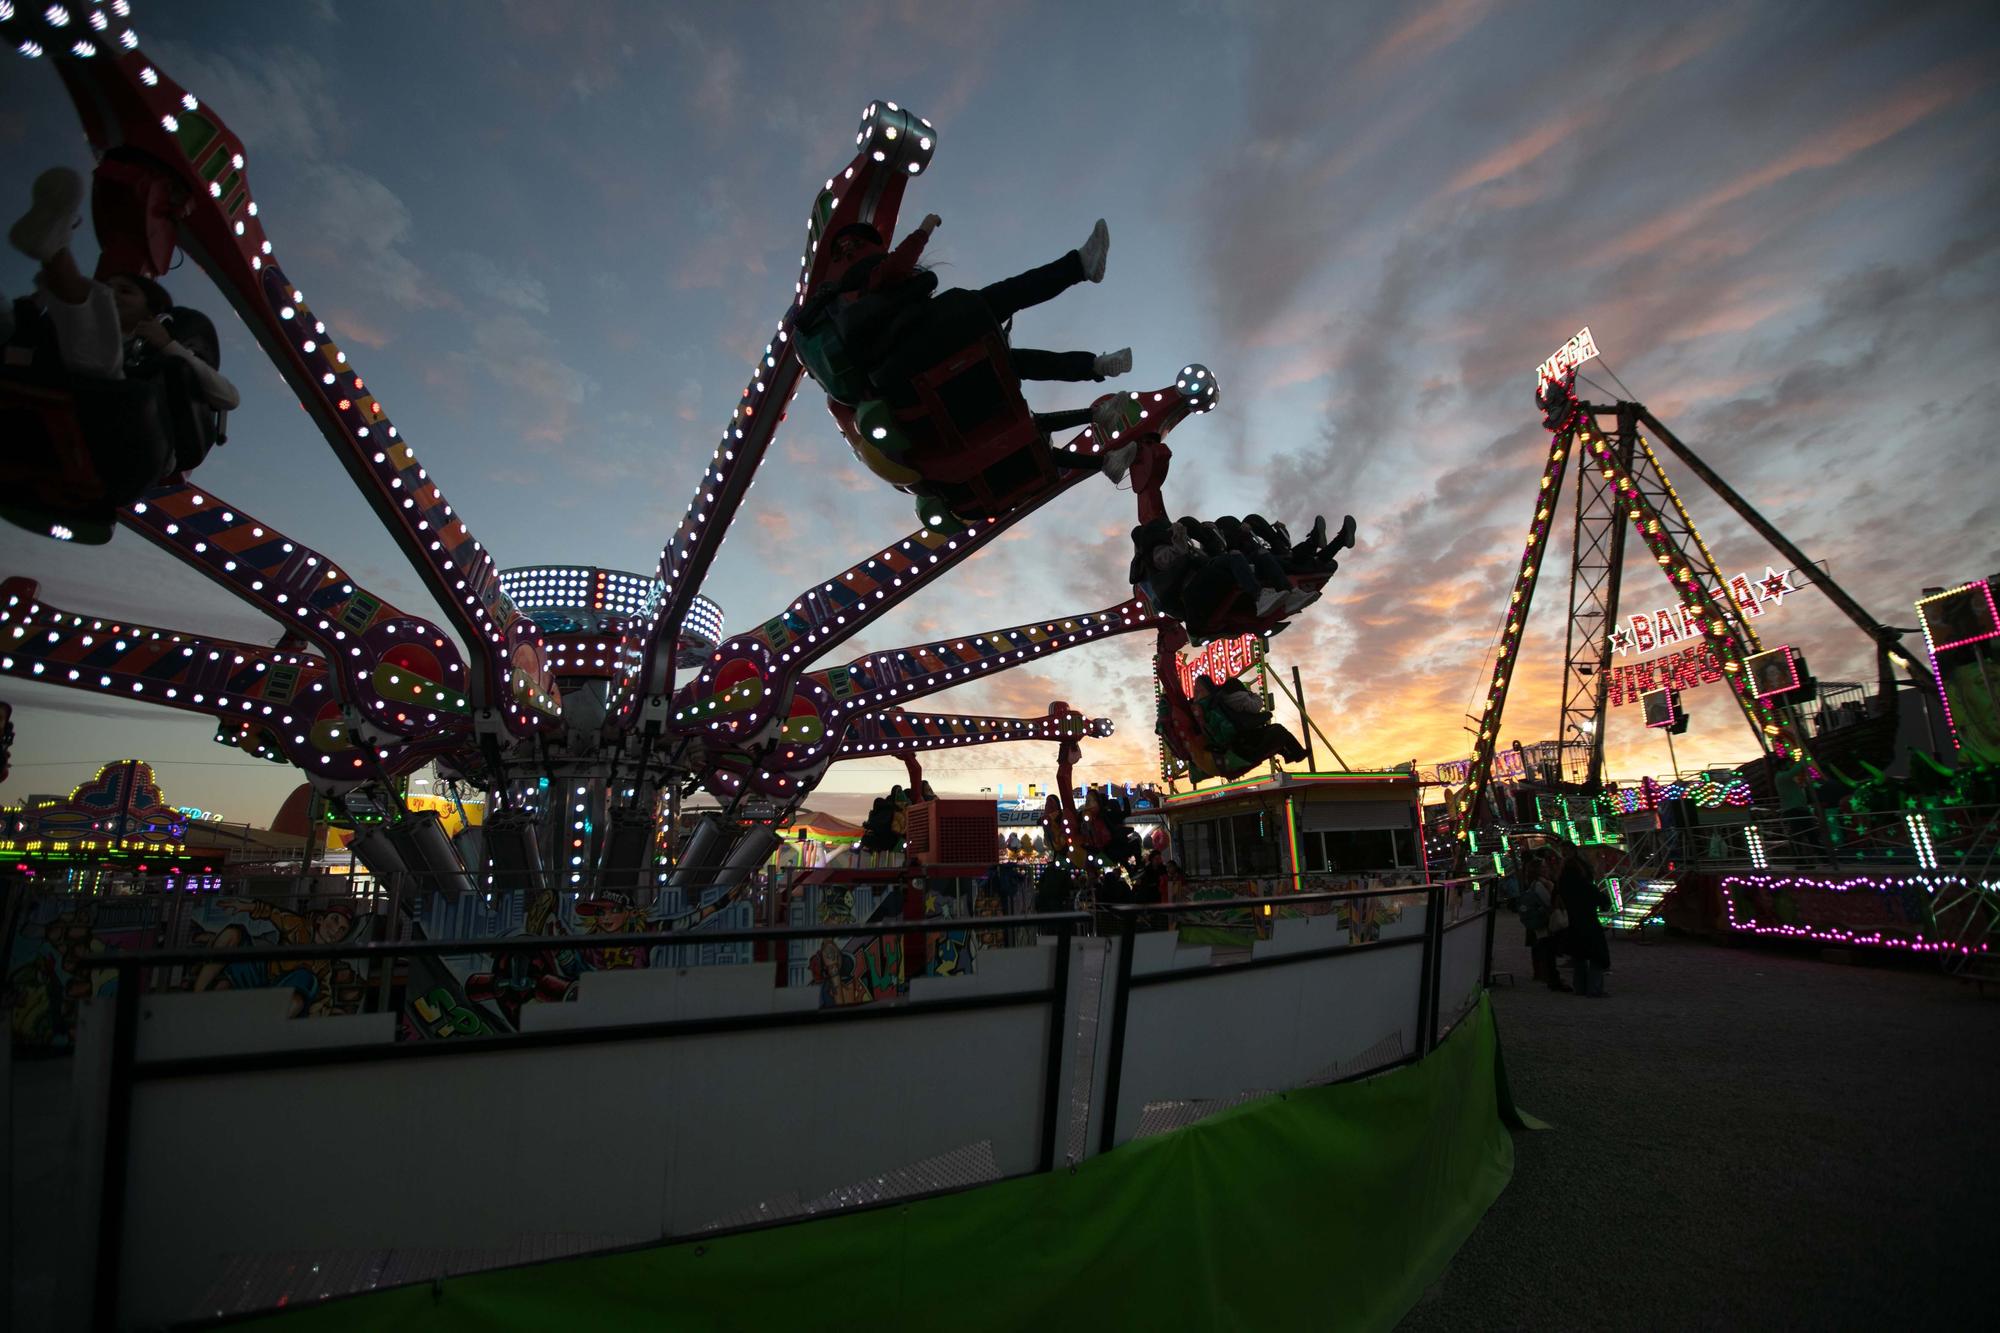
(1835, 934)
(1920, 839)
(1763, 717)
(1562, 441)
(1992, 615)
(1241, 785)
(1292, 833)
(1708, 557)
(1933, 648)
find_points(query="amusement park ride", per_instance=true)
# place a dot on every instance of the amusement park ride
(584, 736)
(1621, 480)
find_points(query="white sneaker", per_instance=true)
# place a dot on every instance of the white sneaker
(1113, 363)
(1093, 251)
(1107, 418)
(1298, 599)
(1268, 601)
(1119, 461)
(43, 231)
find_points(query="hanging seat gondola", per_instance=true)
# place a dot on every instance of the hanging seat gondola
(78, 448)
(951, 429)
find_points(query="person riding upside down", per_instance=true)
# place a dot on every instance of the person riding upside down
(891, 321)
(109, 328)
(1238, 727)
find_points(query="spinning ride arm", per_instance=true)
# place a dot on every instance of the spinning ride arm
(401, 673)
(826, 704)
(747, 678)
(893, 145)
(894, 732)
(283, 697)
(126, 102)
(896, 674)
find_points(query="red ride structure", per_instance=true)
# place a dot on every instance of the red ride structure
(580, 753)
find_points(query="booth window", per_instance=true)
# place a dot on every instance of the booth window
(1245, 844)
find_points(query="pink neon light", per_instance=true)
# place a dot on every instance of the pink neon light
(1992, 616)
(1834, 934)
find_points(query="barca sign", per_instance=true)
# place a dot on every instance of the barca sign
(1643, 633)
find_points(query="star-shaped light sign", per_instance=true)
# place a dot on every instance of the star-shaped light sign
(1774, 585)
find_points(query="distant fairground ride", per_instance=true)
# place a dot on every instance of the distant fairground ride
(584, 703)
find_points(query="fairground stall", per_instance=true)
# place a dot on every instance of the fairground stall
(1300, 833)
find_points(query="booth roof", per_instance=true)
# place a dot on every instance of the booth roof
(821, 824)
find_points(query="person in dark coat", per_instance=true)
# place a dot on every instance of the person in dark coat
(1577, 891)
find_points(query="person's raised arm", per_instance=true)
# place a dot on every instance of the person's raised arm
(902, 260)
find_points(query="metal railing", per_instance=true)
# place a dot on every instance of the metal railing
(1451, 906)
(1942, 839)
(1437, 897)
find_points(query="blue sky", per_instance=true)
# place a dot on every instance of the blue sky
(553, 235)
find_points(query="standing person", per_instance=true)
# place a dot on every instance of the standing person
(1547, 924)
(1149, 887)
(1177, 883)
(1576, 889)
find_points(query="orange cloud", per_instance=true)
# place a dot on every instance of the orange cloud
(1428, 30)
(1528, 148)
(1858, 133)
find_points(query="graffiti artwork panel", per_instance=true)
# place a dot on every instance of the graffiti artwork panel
(50, 967)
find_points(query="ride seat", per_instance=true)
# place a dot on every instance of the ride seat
(1236, 615)
(78, 448)
(953, 426)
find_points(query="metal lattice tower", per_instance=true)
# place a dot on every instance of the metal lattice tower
(1597, 554)
(1620, 481)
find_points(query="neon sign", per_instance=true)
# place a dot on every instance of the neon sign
(1568, 357)
(1643, 633)
(1221, 661)
(1684, 670)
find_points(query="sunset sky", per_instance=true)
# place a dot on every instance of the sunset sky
(552, 236)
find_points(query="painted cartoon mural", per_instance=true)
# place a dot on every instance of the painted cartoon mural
(861, 968)
(49, 968)
(318, 985)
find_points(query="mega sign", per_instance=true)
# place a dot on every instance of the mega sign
(1568, 357)
(1670, 624)
(1222, 660)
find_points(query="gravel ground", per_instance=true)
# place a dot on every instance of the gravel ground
(1742, 1139)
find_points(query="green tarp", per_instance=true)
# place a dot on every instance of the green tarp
(1324, 1208)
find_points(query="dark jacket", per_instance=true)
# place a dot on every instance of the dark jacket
(1578, 893)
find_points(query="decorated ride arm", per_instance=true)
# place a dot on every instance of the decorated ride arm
(893, 144)
(826, 703)
(894, 732)
(894, 675)
(276, 701)
(183, 179)
(740, 691)
(401, 674)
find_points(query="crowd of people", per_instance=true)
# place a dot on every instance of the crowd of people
(1558, 904)
(1152, 881)
(1189, 568)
